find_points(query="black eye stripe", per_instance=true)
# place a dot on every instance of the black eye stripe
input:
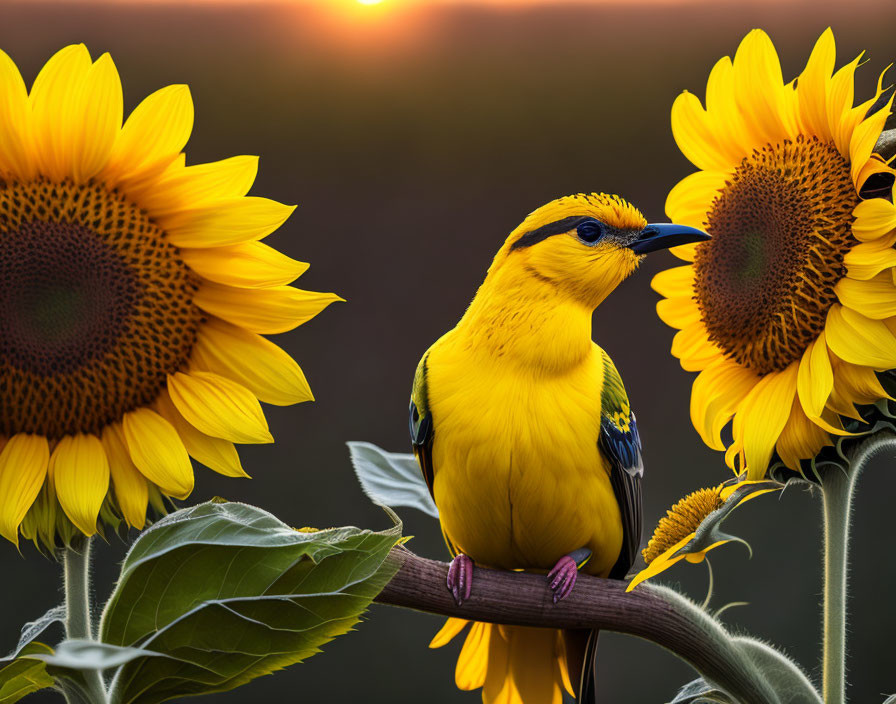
(552, 228)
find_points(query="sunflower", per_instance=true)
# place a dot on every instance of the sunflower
(691, 528)
(134, 291)
(788, 312)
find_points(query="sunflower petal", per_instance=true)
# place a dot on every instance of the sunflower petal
(216, 454)
(81, 478)
(864, 137)
(129, 484)
(763, 415)
(469, 674)
(692, 134)
(23, 469)
(219, 407)
(674, 282)
(690, 199)
(153, 135)
(801, 439)
(100, 119)
(184, 187)
(247, 265)
(860, 340)
(759, 87)
(868, 259)
(693, 349)
(249, 359)
(226, 221)
(717, 392)
(812, 87)
(57, 109)
(16, 156)
(874, 218)
(447, 633)
(265, 311)
(874, 298)
(815, 379)
(158, 452)
(678, 312)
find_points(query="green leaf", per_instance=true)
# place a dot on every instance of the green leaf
(227, 593)
(391, 478)
(20, 675)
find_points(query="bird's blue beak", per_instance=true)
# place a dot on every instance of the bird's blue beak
(656, 237)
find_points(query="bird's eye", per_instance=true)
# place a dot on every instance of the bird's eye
(590, 231)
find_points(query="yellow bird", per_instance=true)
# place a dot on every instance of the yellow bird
(523, 431)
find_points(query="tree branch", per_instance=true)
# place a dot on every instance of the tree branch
(654, 613)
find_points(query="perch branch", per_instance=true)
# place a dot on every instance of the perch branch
(651, 612)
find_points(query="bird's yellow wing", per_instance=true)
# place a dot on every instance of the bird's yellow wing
(620, 442)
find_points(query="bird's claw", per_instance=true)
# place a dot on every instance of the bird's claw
(460, 578)
(563, 577)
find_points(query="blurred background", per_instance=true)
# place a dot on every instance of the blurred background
(414, 136)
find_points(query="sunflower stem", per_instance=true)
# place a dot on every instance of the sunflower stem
(837, 490)
(78, 622)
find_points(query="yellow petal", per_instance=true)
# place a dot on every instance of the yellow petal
(717, 392)
(874, 298)
(446, 633)
(874, 218)
(864, 137)
(131, 491)
(57, 102)
(815, 379)
(812, 87)
(727, 121)
(219, 407)
(216, 454)
(690, 129)
(100, 120)
(841, 92)
(16, 156)
(23, 469)
(692, 197)
(252, 361)
(247, 265)
(81, 477)
(759, 87)
(858, 339)
(674, 282)
(858, 385)
(153, 135)
(762, 416)
(661, 563)
(184, 187)
(226, 221)
(158, 452)
(265, 311)
(693, 348)
(469, 674)
(868, 259)
(678, 312)
(801, 439)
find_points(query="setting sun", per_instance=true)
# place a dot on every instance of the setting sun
(370, 2)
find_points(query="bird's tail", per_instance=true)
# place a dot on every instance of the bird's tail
(512, 664)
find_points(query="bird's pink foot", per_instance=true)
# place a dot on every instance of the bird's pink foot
(563, 577)
(460, 578)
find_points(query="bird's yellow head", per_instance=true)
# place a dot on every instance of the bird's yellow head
(586, 244)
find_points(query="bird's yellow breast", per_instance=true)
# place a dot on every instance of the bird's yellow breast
(519, 479)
